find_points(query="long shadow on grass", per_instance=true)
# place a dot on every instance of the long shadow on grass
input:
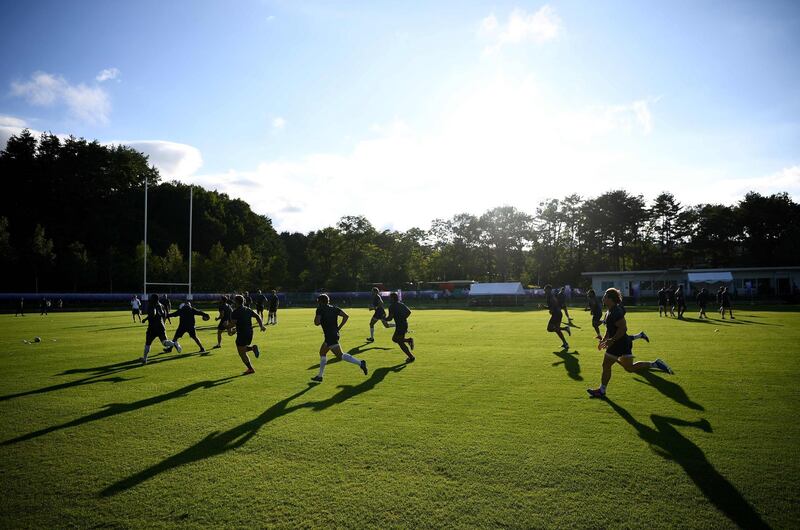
(100, 374)
(672, 390)
(218, 443)
(571, 363)
(666, 441)
(351, 351)
(114, 409)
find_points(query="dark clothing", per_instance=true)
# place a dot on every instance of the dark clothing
(248, 301)
(186, 313)
(553, 305)
(224, 316)
(260, 300)
(670, 298)
(595, 310)
(272, 302)
(377, 304)
(155, 317)
(726, 299)
(719, 297)
(329, 321)
(166, 303)
(562, 299)
(702, 299)
(152, 334)
(244, 325)
(555, 321)
(662, 297)
(399, 312)
(680, 300)
(623, 345)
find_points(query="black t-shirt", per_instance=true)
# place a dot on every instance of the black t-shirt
(679, 295)
(702, 298)
(562, 299)
(553, 305)
(377, 301)
(594, 306)
(329, 318)
(399, 312)
(662, 297)
(726, 297)
(272, 299)
(155, 317)
(244, 319)
(225, 312)
(670, 296)
(186, 313)
(612, 317)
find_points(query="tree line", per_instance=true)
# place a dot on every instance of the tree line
(71, 220)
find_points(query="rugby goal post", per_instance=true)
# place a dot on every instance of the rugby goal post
(144, 251)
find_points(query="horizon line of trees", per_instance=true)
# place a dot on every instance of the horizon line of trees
(71, 220)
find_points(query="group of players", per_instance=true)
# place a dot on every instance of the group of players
(236, 318)
(671, 299)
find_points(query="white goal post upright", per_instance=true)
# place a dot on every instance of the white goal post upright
(144, 281)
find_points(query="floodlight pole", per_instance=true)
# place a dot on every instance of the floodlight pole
(191, 189)
(145, 238)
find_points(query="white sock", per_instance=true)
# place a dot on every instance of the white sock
(391, 324)
(323, 360)
(146, 351)
(602, 388)
(372, 332)
(349, 358)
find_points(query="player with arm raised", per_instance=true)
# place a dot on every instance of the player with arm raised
(186, 325)
(327, 317)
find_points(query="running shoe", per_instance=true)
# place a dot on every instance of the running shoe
(369, 340)
(596, 393)
(249, 371)
(664, 367)
(317, 378)
(565, 346)
(645, 337)
(411, 359)
(364, 367)
(411, 344)
(256, 351)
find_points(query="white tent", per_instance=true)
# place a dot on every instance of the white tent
(710, 277)
(496, 289)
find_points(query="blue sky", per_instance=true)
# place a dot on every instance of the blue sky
(405, 112)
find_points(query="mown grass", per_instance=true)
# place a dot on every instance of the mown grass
(490, 427)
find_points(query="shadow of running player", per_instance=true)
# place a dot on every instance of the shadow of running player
(672, 390)
(218, 443)
(572, 364)
(666, 441)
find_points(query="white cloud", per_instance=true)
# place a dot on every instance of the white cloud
(11, 121)
(521, 26)
(173, 160)
(90, 104)
(278, 123)
(787, 179)
(107, 74)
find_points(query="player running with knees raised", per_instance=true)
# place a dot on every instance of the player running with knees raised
(618, 345)
(379, 314)
(241, 324)
(554, 325)
(399, 312)
(155, 326)
(328, 318)
(186, 325)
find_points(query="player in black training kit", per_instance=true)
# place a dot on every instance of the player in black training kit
(702, 301)
(618, 345)
(680, 301)
(272, 308)
(593, 305)
(399, 312)
(167, 303)
(379, 314)
(20, 307)
(662, 302)
(554, 325)
(241, 323)
(224, 317)
(725, 303)
(671, 300)
(260, 300)
(186, 325)
(562, 301)
(327, 316)
(155, 326)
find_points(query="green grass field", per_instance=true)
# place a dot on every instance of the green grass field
(490, 427)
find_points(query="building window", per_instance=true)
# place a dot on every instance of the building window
(606, 285)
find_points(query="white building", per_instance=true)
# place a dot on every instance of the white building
(747, 281)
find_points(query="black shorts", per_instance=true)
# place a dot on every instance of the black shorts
(702, 306)
(185, 330)
(223, 325)
(400, 331)
(260, 308)
(726, 305)
(153, 334)
(379, 314)
(273, 309)
(555, 321)
(133, 312)
(244, 338)
(623, 347)
(331, 339)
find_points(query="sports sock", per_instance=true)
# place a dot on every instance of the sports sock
(372, 332)
(391, 325)
(349, 358)
(602, 388)
(323, 360)
(146, 351)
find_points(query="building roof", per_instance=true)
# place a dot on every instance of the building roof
(681, 271)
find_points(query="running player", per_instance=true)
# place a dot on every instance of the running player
(662, 302)
(379, 314)
(554, 325)
(20, 307)
(241, 323)
(719, 299)
(702, 301)
(618, 345)
(136, 308)
(399, 312)
(671, 300)
(186, 324)
(167, 303)
(328, 317)
(272, 308)
(562, 300)
(259, 300)
(726, 304)
(680, 301)
(593, 305)
(155, 326)
(247, 300)
(224, 317)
